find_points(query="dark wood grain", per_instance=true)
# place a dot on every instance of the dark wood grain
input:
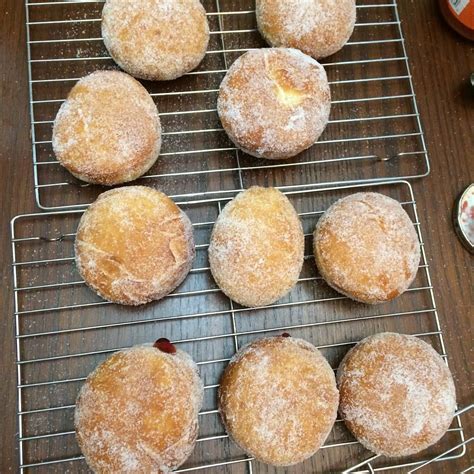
(441, 63)
(16, 196)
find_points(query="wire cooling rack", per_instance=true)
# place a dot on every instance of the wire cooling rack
(374, 131)
(63, 330)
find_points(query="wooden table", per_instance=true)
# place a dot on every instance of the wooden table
(441, 63)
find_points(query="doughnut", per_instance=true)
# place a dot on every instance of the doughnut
(278, 400)
(274, 103)
(108, 130)
(366, 247)
(138, 410)
(256, 249)
(156, 40)
(397, 395)
(319, 28)
(134, 245)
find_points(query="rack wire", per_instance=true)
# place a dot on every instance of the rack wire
(63, 330)
(374, 132)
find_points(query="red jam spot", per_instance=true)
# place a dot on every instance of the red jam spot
(285, 334)
(164, 345)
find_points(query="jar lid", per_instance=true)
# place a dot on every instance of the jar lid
(464, 217)
(460, 16)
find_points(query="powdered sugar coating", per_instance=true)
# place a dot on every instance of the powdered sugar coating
(134, 245)
(278, 400)
(138, 411)
(366, 247)
(108, 130)
(397, 394)
(155, 39)
(274, 103)
(316, 27)
(257, 247)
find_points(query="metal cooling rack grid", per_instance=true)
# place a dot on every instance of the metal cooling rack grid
(63, 331)
(374, 134)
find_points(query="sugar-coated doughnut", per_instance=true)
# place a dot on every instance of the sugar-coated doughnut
(108, 130)
(316, 27)
(257, 247)
(157, 40)
(274, 103)
(134, 245)
(138, 410)
(278, 400)
(397, 395)
(366, 247)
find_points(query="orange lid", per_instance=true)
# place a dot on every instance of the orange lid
(460, 15)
